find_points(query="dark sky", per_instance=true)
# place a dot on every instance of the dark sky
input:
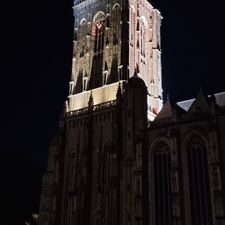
(35, 64)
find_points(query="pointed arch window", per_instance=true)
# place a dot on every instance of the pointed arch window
(83, 27)
(199, 184)
(162, 190)
(98, 32)
(116, 23)
(82, 36)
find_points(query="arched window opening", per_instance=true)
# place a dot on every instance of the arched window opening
(98, 33)
(83, 28)
(116, 23)
(82, 36)
(162, 190)
(199, 184)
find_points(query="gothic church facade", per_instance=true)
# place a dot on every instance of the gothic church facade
(120, 158)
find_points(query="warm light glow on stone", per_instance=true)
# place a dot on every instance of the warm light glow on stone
(100, 95)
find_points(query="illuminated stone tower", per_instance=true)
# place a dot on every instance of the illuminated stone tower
(111, 40)
(116, 159)
(96, 171)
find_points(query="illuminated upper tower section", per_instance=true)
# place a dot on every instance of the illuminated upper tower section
(112, 38)
(97, 45)
(145, 50)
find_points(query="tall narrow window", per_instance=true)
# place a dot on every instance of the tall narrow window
(70, 185)
(132, 26)
(200, 201)
(116, 23)
(83, 27)
(162, 189)
(143, 33)
(82, 36)
(98, 32)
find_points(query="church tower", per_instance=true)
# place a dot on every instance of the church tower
(111, 39)
(96, 173)
(118, 159)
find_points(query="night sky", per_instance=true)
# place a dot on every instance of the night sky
(35, 65)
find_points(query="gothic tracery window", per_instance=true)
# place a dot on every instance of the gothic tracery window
(199, 184)
(98, 36)
(98, 32)
(162, 189)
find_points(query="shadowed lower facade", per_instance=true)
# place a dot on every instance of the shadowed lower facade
(121, 157)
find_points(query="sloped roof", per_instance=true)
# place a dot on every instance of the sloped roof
(220, 99)
(188, 104)
(185, 105)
